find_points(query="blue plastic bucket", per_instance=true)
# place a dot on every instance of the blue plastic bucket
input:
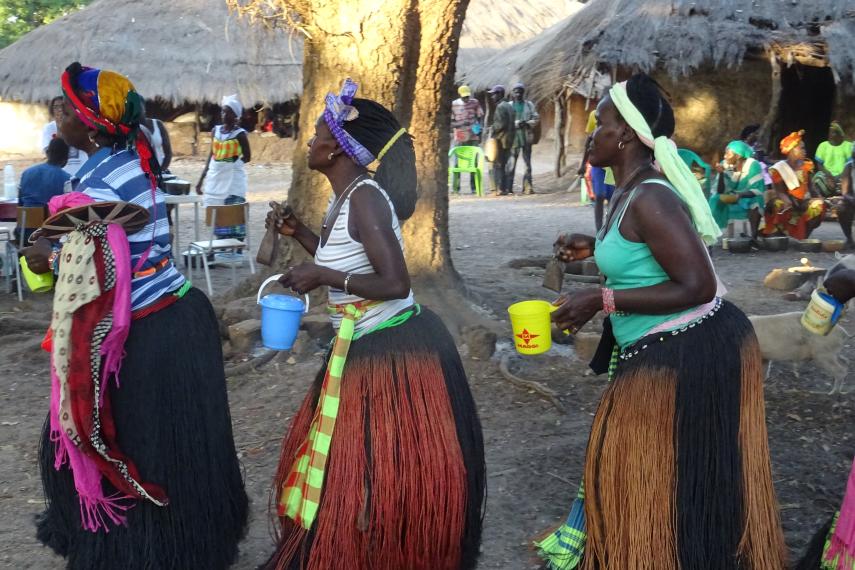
(280, 317)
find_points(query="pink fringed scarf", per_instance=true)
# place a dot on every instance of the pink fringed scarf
(90, 465)
(842, 544)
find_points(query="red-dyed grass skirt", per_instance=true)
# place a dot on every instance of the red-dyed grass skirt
(405, 477)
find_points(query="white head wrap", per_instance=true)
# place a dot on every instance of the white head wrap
(232, 102)
(670, 164)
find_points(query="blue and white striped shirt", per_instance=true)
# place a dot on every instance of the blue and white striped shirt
(120, 178)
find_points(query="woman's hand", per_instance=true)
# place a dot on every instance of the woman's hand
(576, 309)
(37, 256)
(282, 216)
(199, 186)
(303, 278)
(573, 247)
(841, 285)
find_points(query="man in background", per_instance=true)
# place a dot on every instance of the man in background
(502, 131)
(466, 118)
(43, 181)
(526, 121)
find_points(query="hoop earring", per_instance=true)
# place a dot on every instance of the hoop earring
(331, 156)
(93, 141)
(621, 145)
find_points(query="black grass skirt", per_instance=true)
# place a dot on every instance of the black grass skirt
(172, 418)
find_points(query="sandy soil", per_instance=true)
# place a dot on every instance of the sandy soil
(534, 453)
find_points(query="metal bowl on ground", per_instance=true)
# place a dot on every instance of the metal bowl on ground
(737, 245)
(832, 245)
(776, 243)
(177, 187)
(166, 176)
(810, 245)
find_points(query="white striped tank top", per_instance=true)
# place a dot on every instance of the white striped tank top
(345, 254)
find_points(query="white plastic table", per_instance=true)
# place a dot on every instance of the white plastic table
(177, 201)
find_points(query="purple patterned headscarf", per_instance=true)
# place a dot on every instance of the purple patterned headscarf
(338, 111)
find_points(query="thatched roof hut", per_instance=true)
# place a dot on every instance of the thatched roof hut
(490, 27)
(726, 63)
(176, 50)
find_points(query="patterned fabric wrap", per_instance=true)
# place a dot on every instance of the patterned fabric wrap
(839, 551)
(108, 102)
(301, 494)
(339, 111)
(93, 301)
(791, 141)
(226, 150)
(563, 549)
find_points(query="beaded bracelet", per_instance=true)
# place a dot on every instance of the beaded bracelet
(608, 300)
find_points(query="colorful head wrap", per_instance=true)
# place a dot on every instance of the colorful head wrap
(791, 141)
(671, 165)
(835, 126)
(233, 103)
(741, 148)
(338, 111)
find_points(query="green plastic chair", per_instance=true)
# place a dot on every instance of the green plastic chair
(469, 159)
(691, 158)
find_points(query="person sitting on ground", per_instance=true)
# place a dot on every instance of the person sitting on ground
(740, 188)
(793, 209)
(76, 157)
(224, 177)
(845, 204)
(601, 184)
(43, 181)
(750, 135)
(526, 120)
(466, 118)
(831, 157)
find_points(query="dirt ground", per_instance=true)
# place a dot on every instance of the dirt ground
(534, 453)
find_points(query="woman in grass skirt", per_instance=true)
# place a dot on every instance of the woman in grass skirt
(677, 471)
(137, 458)
(383, 466)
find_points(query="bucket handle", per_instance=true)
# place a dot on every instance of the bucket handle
(271, 279)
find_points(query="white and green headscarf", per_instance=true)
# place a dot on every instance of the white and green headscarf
(670, 164)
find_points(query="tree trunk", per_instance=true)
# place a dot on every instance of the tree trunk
(774, 103)
(402, 53)
(559, 132)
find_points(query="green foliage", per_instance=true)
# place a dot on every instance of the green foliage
(17, 17)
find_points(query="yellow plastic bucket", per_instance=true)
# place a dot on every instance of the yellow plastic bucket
(531, 326)
(820, 316)
(37, 282)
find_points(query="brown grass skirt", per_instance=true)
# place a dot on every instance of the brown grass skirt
(405, 477)
(677, 472)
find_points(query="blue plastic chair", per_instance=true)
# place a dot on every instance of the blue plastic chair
(690, 158)
(468, 159)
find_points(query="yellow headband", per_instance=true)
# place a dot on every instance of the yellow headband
(389, 144)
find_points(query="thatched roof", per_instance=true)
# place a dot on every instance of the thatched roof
(178, 50)
(491, 26)
(679, 36)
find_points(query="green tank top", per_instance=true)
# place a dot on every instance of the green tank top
(630, 265)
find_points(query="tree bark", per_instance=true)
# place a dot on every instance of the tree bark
(402, 53)
(774, 103)
(560, 115)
